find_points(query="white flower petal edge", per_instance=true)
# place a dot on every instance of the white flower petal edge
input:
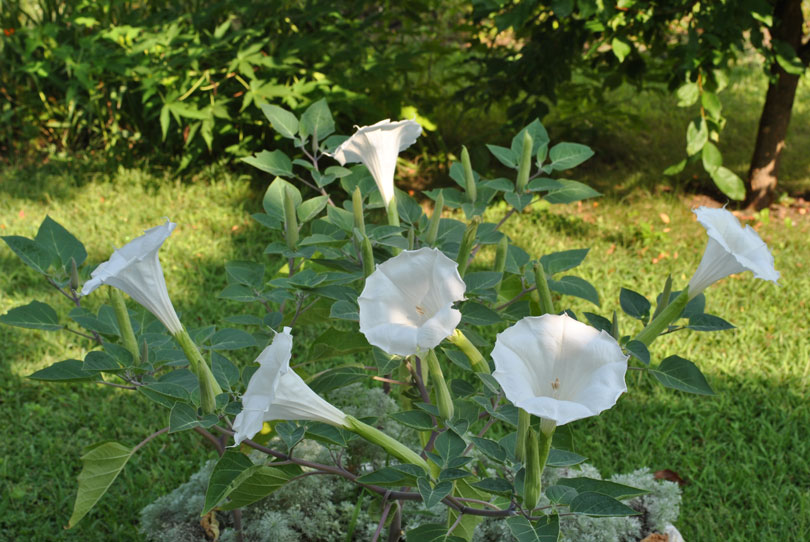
(135, 270)
(276, 392)
(559, 369)
(731, 249)
(406, 304)
(377, 146)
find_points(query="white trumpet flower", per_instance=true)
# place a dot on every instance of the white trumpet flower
(377, 147)
(559, 369)
(730, 249)
(406, 306)
(135, 270)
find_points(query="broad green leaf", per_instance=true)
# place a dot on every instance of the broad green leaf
(697, 134)
(69, 370)
(261, 481)
(620, 48)
(100, 467)
(611, 489)
(568, 155)
(244, 272)
(728, 182)
(35, 315)
(57, 240)
(570, 191)
(231, 469)
(431, 496)
(681, 374)
(232, 339)
(708, 322)
(281, 120)
(634, 304)
(30, 252)
(599, 505)
(688, 94)
(557, 262)
(182, 417)
(317, 120)
(712, 159)
(575, 286)
(274, 163)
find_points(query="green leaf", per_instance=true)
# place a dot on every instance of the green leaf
(599, 505)
(697, 134)
(417, 419)
(244, 272)
(688, 94)
(33, 254)
(261, 481)
(712, 159)
(100, 467)
(620, 48)
(708, 322)
(728, 182)
(311, 208)
(505, 156)
(35, 315)
(274, 163)
(557, 262)
(182, 418)
(231, 470)
(611, 489)
(281, 120)
(317, 120)
(69, 370)
(575, 286)
(61, 242)
(570, 191)
(431, 496)
(568, 155)
(634, 304)
(231, 339)
(681, 374)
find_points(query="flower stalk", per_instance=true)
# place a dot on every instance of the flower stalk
(124, 324)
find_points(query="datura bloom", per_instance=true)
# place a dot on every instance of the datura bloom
(559, 369)
(406, 306)
(276, 392)
(377, 147)
(135, 269)
(731, 249)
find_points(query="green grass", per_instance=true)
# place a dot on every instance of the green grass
(743, 451)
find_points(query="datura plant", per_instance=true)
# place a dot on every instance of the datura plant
(488, 365)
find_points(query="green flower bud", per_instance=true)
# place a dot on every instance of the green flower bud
(433, 224)
(525, 163)
(290, 220)
(469, 178)
(467, 242)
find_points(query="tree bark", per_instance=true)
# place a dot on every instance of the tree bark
(773, 123)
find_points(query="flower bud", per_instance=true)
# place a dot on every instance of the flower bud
(290, 220)
(357, 207)
(467, 242)
(469, 178)
(525, 163)
(433, 224)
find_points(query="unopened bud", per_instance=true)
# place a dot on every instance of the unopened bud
(469, 177)
(290, 220)
(433, 225)
(525, 163)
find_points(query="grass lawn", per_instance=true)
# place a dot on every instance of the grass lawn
(743, 452)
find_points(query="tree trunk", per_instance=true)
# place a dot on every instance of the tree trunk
(773, 123)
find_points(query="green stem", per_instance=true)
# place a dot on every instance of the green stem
(209, 388)
(124, 324)
(388, 443)
(669, 314)
(477, 361)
